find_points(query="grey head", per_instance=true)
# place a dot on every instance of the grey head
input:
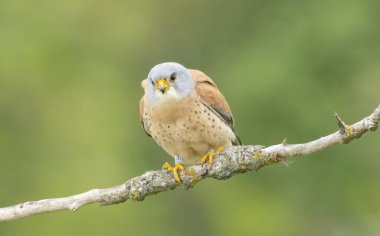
(168, 81)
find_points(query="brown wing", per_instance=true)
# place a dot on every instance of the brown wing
(210, 94)
(213, 98)
(142, 104)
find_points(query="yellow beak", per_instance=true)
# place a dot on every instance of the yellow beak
(162, 85)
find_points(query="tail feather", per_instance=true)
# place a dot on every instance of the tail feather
(237, 140)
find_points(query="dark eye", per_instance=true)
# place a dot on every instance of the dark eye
(173, 76)
(152, 81)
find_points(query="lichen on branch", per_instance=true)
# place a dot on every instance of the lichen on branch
(231, 161)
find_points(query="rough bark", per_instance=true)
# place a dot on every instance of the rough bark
(231, 161)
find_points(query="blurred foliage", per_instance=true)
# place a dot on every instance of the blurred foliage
(70, 75)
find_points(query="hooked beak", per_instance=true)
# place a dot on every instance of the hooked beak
(162, 85)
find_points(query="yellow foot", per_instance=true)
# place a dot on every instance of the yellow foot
(174, 169)
(209, 157)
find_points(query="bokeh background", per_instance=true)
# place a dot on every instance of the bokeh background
(70, 75)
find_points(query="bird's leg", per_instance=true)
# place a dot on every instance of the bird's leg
(178, 166)
(209, 157)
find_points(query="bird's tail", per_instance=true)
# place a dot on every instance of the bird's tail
(237, 140)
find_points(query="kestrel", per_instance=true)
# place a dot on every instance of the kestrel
(186, 114)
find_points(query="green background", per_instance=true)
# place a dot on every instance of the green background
(70, 75)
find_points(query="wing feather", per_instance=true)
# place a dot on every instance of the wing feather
(142, 105)
(211, 96)
(213, 99)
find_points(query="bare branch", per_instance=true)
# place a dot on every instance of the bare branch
(232, 161)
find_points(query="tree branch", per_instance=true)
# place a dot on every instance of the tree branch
(231, 161)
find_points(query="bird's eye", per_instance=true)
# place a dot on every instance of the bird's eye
(151, 81)
(173, 76)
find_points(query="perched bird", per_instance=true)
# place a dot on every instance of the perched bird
(186, 114)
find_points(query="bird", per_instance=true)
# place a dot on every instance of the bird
(186, 114)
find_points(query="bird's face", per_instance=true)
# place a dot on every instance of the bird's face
(168, 81)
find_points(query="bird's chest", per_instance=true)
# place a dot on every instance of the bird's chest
(173, 123)
(188, 129)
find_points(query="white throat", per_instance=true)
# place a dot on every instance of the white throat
(169, 96)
